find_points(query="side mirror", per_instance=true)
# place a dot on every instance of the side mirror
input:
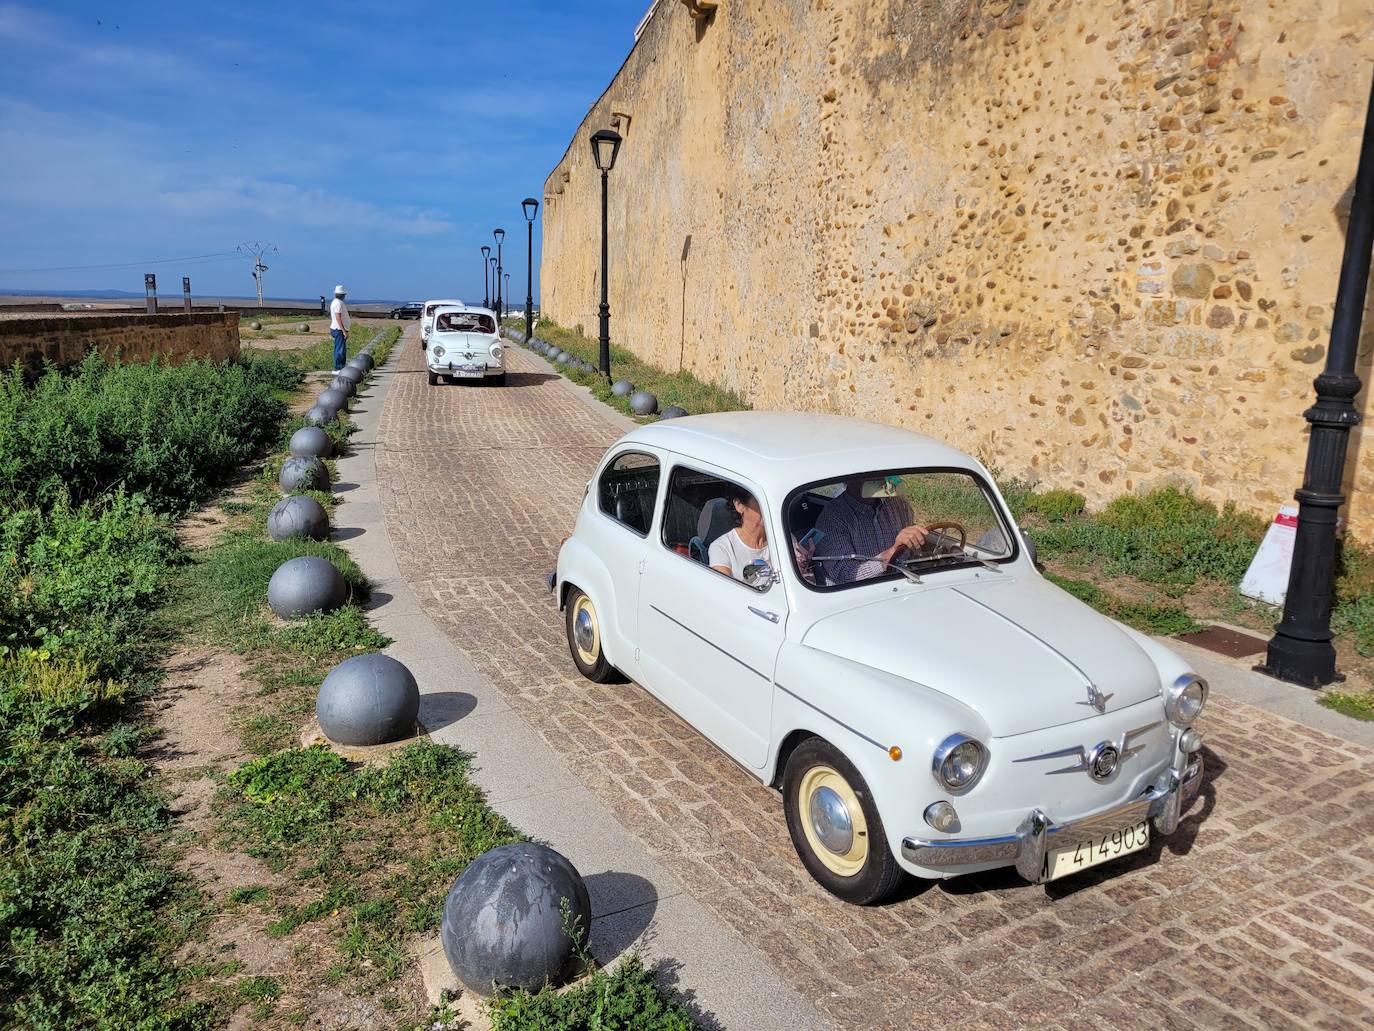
(1030, 549)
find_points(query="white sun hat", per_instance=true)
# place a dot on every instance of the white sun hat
(339, 291)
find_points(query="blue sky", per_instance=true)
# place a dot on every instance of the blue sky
(374, 144)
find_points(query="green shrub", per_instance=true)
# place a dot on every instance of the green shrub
(1056, 505)
(625, 998)
(80, 582)
(1144, 616)
(83, 938)
(168, 433)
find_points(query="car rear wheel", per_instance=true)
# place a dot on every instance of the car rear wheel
(433, 380)
(835, 826)
(584, 639)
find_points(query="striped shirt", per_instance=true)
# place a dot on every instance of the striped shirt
(854, 528)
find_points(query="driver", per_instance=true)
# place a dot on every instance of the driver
(868, 518)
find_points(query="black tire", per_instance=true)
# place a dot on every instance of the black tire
(500, 380)
(433, 380)
(587, 656)
(450, 380)
(868, 873)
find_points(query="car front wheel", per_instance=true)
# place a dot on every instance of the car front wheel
(835, 826)
(433, 380)
(584, 639)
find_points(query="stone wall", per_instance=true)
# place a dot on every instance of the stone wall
(66, 339)
(1094, 243)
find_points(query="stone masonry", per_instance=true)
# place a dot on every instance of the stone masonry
(1095, 243)
(66, 339)
(1259, 913)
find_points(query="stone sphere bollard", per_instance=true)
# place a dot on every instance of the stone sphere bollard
(255, 324)
(303, 472)
(318, 415)
(368, 700)
(566, 358)
(311, 442)
(331, 398)
(643, 403)
(362, 362)
(353, 375)
(586, 366)
(298, 516)
(304, 585)
(672, 412)
(344, 386)
(503, 925)
(622, 388)
(305, 328)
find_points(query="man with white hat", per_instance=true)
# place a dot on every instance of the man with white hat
(338, 327)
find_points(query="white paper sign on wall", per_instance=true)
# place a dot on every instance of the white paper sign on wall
(1267, 577)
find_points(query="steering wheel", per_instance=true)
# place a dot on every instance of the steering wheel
(931, 545)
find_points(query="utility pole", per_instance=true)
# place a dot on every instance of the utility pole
(256, 250)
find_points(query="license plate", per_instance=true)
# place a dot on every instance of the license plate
(470, 371)
(1061, 862)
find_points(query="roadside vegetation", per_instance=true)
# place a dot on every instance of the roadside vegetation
(679, 388)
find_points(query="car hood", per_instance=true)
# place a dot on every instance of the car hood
(1018, 650)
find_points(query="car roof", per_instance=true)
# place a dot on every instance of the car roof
(782, 450)
(444, 300)
(459, 306)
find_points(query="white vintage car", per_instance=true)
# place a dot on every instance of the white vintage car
(427, 315)
(464, 343)
(850, 613)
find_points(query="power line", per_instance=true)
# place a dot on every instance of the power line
(118, 265)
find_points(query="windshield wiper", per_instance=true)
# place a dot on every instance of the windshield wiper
(868, 558)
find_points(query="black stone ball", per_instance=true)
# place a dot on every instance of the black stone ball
(363, 361)
(311, 442)
(305, 584)
(368, 700)
(318, 415)
(643, 403)
(353, 375)
(332, 398)
(622, 388)
(503, 925)
(303, 472)
(672, 412)
(298, 516)
(344, 386)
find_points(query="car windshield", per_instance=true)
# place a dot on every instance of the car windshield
(464, 322)
(892, 523)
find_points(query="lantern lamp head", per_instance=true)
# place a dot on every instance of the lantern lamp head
(605, 147)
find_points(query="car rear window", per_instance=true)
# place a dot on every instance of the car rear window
(464, 322)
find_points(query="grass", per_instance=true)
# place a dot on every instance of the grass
(319, 355)
(1357, 705)
(1146, 616)
(680, 388)
(625, 997)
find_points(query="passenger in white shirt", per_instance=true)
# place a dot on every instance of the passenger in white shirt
(746, 545)
(338, 327)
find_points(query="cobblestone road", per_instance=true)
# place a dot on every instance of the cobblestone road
(1258, 913)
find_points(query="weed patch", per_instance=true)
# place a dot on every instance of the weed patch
(625, 997)
(1146, 616)
(1355, 704)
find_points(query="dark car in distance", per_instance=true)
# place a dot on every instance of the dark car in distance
(407, 311)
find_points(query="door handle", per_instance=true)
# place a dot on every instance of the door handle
(772, 617)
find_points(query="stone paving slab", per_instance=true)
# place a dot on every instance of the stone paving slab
(1258, 913)
(636, 901)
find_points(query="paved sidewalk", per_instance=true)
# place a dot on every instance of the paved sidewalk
(634, 899)
(1258, 913)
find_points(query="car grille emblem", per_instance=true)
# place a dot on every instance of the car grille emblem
(1097, 699)
(1102, 761)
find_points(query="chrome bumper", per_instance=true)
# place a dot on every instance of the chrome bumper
(1163, 804)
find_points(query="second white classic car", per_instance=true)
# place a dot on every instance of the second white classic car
(850, 613)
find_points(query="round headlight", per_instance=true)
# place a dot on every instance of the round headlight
(959, 762)
(1184, 699)
(496, 351)
(438, 350)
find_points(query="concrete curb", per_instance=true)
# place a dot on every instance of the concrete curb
(635, 901)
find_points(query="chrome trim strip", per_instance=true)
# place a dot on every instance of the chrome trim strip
(1087, 680)
(1083, 753)
(856, 733)
(670, 619)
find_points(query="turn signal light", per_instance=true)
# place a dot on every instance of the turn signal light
(1190, 741)
(895, 753)
(942, 817)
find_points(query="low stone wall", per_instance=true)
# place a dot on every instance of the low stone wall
(66, 339)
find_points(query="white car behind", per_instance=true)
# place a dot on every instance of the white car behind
(427, 315)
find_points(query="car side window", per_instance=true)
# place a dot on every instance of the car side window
(628, 488)
(717, 523)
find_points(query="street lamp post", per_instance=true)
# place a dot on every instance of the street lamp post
(486, 277)
(500, 235)
(530, 206)
(1300, 650)
(506, 295)
(605, 147)
(492, 266)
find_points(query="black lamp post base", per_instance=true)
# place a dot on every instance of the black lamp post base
(1309, 664)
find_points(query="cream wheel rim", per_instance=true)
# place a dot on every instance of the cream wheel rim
(586, 635)
(833, 821)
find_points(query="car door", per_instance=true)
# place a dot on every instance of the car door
(708, 642)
